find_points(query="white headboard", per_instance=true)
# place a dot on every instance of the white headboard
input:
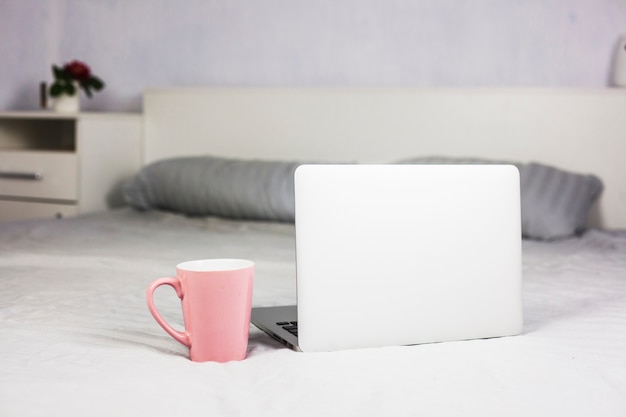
(582, 130)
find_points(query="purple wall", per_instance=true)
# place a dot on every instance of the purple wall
(137, 44)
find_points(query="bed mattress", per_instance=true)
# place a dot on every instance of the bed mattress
(76, 337)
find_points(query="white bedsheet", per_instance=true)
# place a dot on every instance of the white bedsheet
(76, 338)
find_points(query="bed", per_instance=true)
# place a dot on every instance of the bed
(76, 337)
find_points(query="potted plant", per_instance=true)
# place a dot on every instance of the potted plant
(68, 80)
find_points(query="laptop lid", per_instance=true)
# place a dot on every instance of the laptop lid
(406, 254)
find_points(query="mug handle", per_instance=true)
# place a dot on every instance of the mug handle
(176, 284)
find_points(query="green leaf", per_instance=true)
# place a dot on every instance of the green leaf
(56, 90)
(96, 83)
(56, 71)
(60, 74)
(70, 89)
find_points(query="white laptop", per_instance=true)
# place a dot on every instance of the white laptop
(402, 255)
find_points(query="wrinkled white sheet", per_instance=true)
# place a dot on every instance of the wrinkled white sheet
(76, 338)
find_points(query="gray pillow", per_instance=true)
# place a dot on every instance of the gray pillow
(554, 203)
(445, 160)
(211, 186)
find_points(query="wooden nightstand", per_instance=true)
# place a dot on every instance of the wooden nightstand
(56, 165)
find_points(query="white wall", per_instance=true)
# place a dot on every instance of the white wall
(135, 44)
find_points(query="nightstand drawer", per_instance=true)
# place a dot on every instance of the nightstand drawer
(38, 174)
(19, 210)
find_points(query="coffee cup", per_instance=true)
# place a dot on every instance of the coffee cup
(216, 298)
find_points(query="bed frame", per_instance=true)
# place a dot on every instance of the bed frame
(582, 130)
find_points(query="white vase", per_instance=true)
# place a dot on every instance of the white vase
(66, 103)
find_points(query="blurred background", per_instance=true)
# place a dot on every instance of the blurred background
(137, 44)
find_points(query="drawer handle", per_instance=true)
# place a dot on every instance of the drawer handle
(15, 175)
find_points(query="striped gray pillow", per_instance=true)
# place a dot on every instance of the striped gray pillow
(555, 203)
(212, 186)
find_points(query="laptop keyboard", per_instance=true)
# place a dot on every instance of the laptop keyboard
(290, 326)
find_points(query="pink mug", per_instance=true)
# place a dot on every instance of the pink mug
(216, 296)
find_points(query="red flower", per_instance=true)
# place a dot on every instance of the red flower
(78, 70)
(65, 79)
